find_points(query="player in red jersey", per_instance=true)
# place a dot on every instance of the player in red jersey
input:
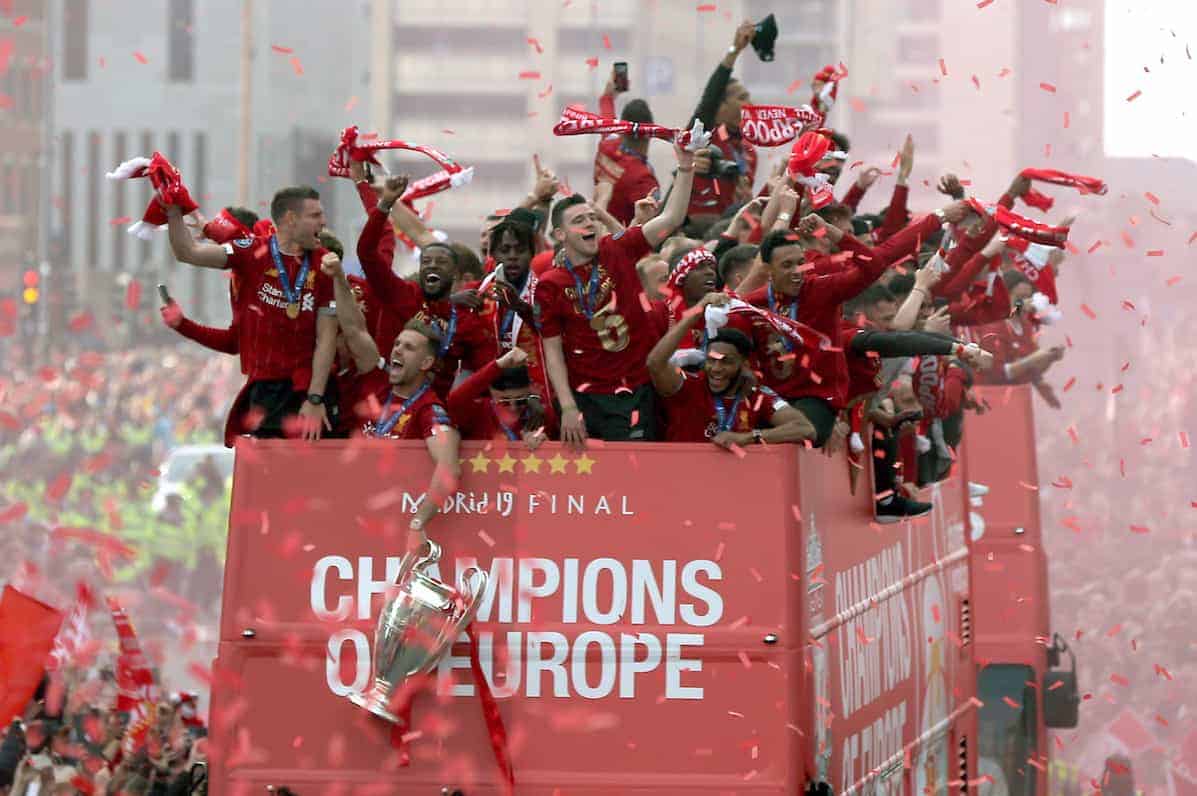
(589, 308)
(395, 397)
(466, 338)
(722, 403)
(500, 401)
(287, 329)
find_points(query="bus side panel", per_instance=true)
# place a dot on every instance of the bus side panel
(643, 631)
(885, 674)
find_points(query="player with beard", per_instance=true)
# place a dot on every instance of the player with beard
(395, 397)
(589, 304)
(466, 339)
(287, 327)
(500, 401)
(722, 403)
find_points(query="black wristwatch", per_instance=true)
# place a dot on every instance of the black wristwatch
(315, 399)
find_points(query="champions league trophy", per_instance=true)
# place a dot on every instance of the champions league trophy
(417, 627)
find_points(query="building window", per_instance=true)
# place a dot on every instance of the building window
(68, 196)
(74, 39)
(180, 38)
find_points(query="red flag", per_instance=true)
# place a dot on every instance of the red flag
(27, 631)
(75, 633)
(134, 680)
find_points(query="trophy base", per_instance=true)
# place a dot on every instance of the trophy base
(375, 706)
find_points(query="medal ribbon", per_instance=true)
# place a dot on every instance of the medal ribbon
(586, 303)
(511, 435)
(292, 294)
(791, 313)
(727, 419)
(387, 422)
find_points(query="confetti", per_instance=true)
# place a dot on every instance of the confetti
(606, 42)
(141, 59)
(485, 537)
(706, 7)
(1140, 529)
(278, 48)
(296, 65)
(1085, 308)
(943, 68)
(536, 45)
(529, 75)
(1155, 200)
(592, 63)
(351, 104)
(1048, 87)
(1134, 96)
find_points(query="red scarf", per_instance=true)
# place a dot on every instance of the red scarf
(774, 125)
(1015, 224)
(225, 227)
(168, 190)
(351, 147)
(576, 120)
(810, 148)
(1042, 201)
(134, 680)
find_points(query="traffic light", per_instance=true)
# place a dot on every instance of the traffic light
(32, 292)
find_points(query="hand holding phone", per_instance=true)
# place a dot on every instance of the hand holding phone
(620, 71)
(164, 294)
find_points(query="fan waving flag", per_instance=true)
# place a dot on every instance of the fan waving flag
(27, 631)
(134, 680)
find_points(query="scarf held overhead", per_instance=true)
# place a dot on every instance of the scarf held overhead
(1042, 201)
(168, 190)
(774, 125)
(354, 147)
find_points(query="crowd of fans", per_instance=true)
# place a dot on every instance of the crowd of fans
(738, 303)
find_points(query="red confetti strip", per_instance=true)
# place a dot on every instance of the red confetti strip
(606, 42)
(1118, 679)
(1069, 384)
(536, 44)
(530, 75)
(1134, 96)
(706, 7)
(1048, 87)
(1011, 703)
(278, 48)
(943, 68)
(984, 3)
(296, 65)
(592, 63)
(1155, 252)
(1065, 120)
(1085, 308)
(1184, 439)
(141, 59)
(1140, 529)
(1155, 200)
(976, 82)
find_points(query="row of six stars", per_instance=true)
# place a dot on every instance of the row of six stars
(532, 463)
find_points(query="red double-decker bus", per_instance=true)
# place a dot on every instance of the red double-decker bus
(659, 619)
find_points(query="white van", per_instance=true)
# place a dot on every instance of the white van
(180, 466)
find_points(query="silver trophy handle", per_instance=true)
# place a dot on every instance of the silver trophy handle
(472, 599)
(418, 562)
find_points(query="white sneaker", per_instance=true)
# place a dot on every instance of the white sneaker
(976, 490)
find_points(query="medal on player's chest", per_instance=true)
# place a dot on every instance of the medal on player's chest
(293, 310)
(291, 293)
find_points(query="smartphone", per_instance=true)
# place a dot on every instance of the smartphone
(621, 76)
(164, 294)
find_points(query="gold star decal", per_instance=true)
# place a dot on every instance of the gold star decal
(480, 463)
(532, 463)
(584, 465)
(557, 464)
(506, 464)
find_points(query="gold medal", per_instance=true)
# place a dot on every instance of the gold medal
(292, 310)
(598, 322)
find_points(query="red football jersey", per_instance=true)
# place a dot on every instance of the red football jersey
(273, 345)
(691, 414)
(382, 413)
(633, 177)
(611, 357)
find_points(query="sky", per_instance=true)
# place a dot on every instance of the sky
(1147, 50)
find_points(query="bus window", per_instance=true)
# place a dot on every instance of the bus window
(1007, 725)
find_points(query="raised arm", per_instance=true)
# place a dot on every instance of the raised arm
(712, 94)
(187, 249)
(385, 284)
(661, 227)
(223, 340)
(959, 279)
(667, 378)
(361, 345)
(924, 280)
